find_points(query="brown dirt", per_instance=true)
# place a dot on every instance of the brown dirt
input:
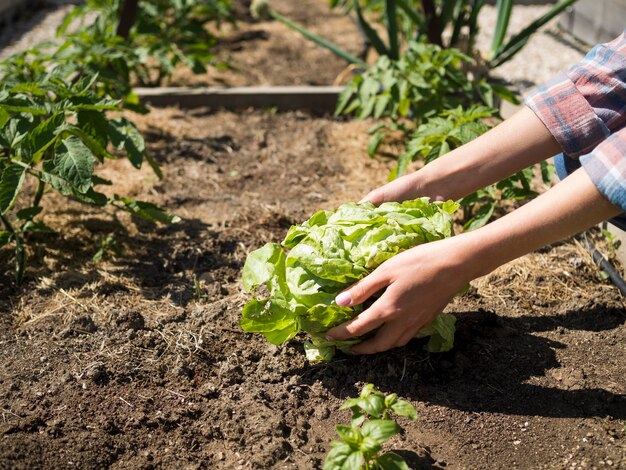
(129, 363)
(270, 53)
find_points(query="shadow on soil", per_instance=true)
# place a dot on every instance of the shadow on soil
(487, 371)
(161, 261)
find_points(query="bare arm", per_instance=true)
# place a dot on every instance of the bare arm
(421, 281)
(516, 143)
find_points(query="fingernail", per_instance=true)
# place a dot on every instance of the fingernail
(344, 299)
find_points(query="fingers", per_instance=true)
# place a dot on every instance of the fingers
(386, 338)
(363, 290)
(374, 197)
(367, 321)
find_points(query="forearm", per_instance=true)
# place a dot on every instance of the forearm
(516, 143)
(566, 209)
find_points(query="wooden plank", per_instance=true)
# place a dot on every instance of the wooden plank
(316, 99)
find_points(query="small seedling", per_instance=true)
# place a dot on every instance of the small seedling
(372, 424)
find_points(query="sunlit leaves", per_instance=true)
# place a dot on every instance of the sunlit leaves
(360, 443)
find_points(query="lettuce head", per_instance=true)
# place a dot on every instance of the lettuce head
(329, 252)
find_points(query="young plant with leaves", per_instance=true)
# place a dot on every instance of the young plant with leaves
(162, 34)
(373, 423)
(55, 131)
(452, 129)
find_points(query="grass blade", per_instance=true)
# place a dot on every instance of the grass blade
(517, 42)
(319, 40)
(391, 14)
(411, 13)
(370, 32)
(502, 24)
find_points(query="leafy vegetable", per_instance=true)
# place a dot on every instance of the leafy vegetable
(327, 253)
(372, 424)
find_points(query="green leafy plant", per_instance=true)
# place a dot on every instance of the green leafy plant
(327, 253)
(373, 423)
(161, 34)
(446, 23)
(442, 133)
(55, 131)
(424, 82)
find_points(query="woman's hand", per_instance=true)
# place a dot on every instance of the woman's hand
(421, 281)
(401, 189)
(418, 285)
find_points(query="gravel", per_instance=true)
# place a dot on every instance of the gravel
(39, 27)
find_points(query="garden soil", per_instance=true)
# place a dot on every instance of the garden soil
(137, 361)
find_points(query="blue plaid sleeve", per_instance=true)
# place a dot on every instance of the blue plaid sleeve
(584, 106)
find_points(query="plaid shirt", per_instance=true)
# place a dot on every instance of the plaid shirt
(585, 110)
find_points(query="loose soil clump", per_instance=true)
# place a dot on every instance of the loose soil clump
(138, 360)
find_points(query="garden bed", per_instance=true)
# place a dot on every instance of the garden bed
(138, 360)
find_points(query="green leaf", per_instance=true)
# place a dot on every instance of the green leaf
(380, 429)
(504, 8)
(36, 227)
(29, 213)
(154, 165)
(319, 40)
(43, 136)
(90, 142)
(547, 172)
(404, 408)
(370, 32)
(92, 197)
(369, 446)
(147, 210)
(441, 331)
(374, 405)
(95, 124)
(5, 237)
(343, 457)
(343, 99)
(391, 461)
(74, 163)
(261, 265)
(507, 51)
(125, 136)
(276, 322)
(481, 217)
(349, 435)
(374, 143)
(4, 117)
(11, 182)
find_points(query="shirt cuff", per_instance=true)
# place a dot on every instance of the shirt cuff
(606, 166)
(568, 116)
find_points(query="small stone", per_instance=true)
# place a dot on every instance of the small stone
(98, 375)
(517, 442)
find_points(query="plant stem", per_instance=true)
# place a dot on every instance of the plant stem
(433, 27)
(7, 223)
(127, 18)
(39, 193)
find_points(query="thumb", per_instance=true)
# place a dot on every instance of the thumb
(362, 290)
